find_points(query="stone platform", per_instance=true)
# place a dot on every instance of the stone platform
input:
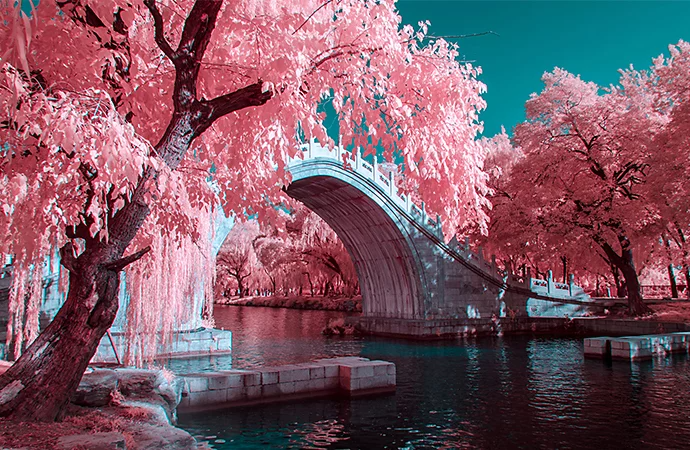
(185, 344)
(345, 376)
(635, 348)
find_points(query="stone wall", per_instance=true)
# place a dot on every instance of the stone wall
(347, 375)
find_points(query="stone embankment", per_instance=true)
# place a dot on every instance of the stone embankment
(345, 376)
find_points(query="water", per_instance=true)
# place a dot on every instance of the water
(511, 392)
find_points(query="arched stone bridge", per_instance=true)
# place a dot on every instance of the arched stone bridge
(412, 282)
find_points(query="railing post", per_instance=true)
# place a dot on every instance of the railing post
(549, 281)
(374, 167)
(357, 164)
(423, 215)
(407, 207)
(493, 263)
(571, 281)
(390, 179)
(528, 278)
(311, 144)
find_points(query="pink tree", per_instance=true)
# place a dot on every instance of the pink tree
(97, 133)
(587, 160)
(669, 184)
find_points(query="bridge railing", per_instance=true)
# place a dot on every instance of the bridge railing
(372, 172)
(386, 184)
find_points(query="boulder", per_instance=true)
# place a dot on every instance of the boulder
(96, 388)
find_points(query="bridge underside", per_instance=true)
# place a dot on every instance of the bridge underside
(388, 277)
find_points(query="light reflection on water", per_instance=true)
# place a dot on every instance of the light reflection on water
(511, 392)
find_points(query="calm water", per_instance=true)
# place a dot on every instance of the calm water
(517, 392)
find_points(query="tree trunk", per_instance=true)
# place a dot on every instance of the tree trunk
(564, 260)
(672, 280)
(625, 263)
(41, 381)
(39, 384)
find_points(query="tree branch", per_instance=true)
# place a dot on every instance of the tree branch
(212, 110)
(311, 15)
(121, 263)
(162, 42)
(67, 257)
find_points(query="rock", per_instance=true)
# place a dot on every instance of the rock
(93, 441)
(161, 437)
(96, 388)
(137, 382)
(152, 386)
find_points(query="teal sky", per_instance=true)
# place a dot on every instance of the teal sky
(590, 38)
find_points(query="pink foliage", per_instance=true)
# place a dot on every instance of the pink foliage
(79, 130)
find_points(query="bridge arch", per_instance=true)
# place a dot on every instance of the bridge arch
(388, 267)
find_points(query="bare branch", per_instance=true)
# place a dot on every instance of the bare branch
(121, 263)
(159, 31)
(212, 110)
(311, 15)
(462, 36)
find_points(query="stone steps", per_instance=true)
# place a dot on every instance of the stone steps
(635, 348)
(347, 375)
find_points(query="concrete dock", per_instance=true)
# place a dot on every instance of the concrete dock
(344, 376)
(635, 348)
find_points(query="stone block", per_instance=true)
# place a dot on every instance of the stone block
(235, 394)
(270, 390)
(331, 371)
(317, 373)
(331, 382)
(269, 376)
(287, 388)
(207, 398)
(381, 368)
(218, 382)
(293, 373)
(302, 386)
(254, 392)
(360, 370)
(252, 379)
(196, 384)
(318, 384)
(235, 378)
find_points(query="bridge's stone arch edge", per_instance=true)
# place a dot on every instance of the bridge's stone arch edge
(321, 176)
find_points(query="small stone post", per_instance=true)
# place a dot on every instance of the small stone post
(549, 281)
(571, 281)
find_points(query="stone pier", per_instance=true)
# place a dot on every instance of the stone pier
(635, 348)
(349, 376)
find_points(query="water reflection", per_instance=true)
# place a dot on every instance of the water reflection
(511, 392)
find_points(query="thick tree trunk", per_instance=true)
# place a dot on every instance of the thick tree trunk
(672, 280)
(39, 384)
(625, 263)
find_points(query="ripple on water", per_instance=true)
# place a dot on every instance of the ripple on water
(513, 392)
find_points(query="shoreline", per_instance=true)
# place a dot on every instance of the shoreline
(341, 304)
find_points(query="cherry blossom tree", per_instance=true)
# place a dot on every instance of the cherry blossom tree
(116, 113)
